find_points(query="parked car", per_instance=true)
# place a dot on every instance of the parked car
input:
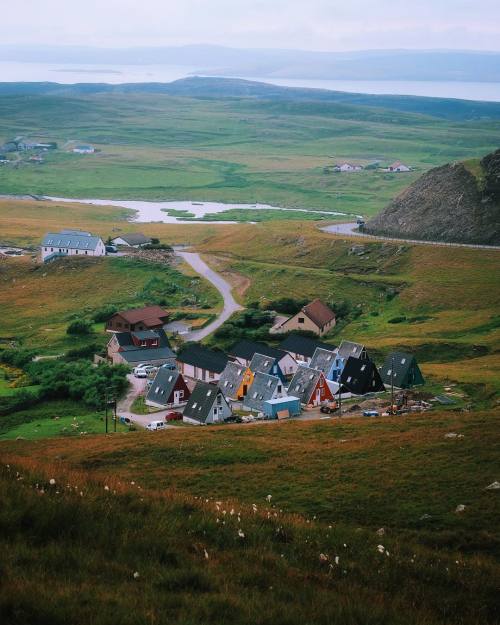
(111, 249)
(155, 425)
(174, 415)
(370, 413)
(328, 408)
(170, 366)
(140, 373)
(125, 420)
(143, 370)
(234, 419)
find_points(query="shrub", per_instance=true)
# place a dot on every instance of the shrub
(16, 357)
(286, 305)
(397, 319)
(79, 327)
(104, 313)
(80, 353)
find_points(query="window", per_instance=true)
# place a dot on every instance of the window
(194, 405)
(363, 367)
(143, 343)
(297, 387)
(300, 319)
(389, 372)
(170, 378)
(279, 388)
(349, 378)
(76, 251)
(226, 383)
(403, 360)
(209, 393)
(211, 375)
(311, 376)
(254, 395)
(269, 382)
(157, 389)
(181, 394)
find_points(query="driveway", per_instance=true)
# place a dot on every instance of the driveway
(230, 304)
(137, 386)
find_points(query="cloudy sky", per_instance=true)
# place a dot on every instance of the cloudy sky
(305, 24)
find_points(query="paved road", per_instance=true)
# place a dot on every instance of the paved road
(230, 304)
(350, 229)
(136, 388)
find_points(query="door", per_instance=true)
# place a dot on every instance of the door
(177, 397)
(318, 397)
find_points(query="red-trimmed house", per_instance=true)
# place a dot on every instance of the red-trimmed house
(138, 319)
(310, 386)
(168, 390)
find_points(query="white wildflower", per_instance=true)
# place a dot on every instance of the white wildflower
(206, 554)
(52, 481)
(269, 497)
(136, 575)
(337, 559)
(106, 487)
(460, 507)
(381, 531)
(241, 534)
(323, 557)
(381, 548)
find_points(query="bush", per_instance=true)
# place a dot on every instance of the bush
(103, 314)
(397, 319)
(286, 305)
(82, 353)
(13, 403)
(79, 327)
(17, 357)
(341, 309)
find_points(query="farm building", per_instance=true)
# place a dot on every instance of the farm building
(302, 348)
(315, 317)
(310, 386)
(201, 363)
(282, 407)
(146, 346)
(83, 149)
(168, 390)
(136, 319)
(71, 243)
(397, 167)
(264, 388)
(132, 239)
(266, 364)
(360, 376)
(235, 380)
(206, 405)
(243, 351)
(346, 167)
(402, 370)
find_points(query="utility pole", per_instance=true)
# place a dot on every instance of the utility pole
(106, 405)
(392, 386)
(114, 414)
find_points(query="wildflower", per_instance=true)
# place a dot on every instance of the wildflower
(381, 548)
(460, 507)
(136, 575)
(241, 534)
(206, 554)
(231, 512)
(337, 559)
(269, 497)
(52, 481)
(323, 557)
(381, 531)
(106, 487)
(81, 494)
(254, 507)
(133, 483)
(345, 545)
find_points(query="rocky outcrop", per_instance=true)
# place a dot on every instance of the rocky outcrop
(453, 203)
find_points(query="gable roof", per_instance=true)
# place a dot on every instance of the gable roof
(203, 357)
(125, 338)
(323, 360)
(401, 369)
(163, 385)
(347, 349)
(303, 345)
(361, 376)
(133, 354)
(231, 378)
(201, 401)
(262, 363)
(71, 239)
(304, 382)
(246, 349)
(134, 238)
(150, 314)
(263, 388)
(319, 313)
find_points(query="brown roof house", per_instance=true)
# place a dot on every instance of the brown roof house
(138, 319)
(315, 317)
(141, 347)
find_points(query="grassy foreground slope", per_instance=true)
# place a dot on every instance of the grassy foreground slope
(177, 527)
(155, 146)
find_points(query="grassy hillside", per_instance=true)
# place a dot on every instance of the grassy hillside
(233, 150)
(177, 527)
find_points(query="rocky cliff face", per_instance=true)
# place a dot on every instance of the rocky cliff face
(448, 203)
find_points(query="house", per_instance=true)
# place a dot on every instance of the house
(243, 351)
(401, 370)
(144, 346)
(266, 364)
(315, 317)
(71, 243)
(343, 167)
(346, 350)
(168, 390)
(325, 360)
(302, 348)
(264, 388)
(83, 149)
(201, 363)
(235, 380)
(206, 405)
(398, 166)
(136, 319)
(132, 239)
(282, 407)
(310, 386)
(360, 376)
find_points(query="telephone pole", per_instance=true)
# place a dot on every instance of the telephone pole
(392, 386)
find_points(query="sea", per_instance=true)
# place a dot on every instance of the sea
(116, 74)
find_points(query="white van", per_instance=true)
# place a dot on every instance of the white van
(156, 425)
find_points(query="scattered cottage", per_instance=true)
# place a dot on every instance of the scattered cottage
(325, 360)
(71, 243)
(83, 149)
(401, 370)
(146, 346)
(316, 317)
(302, 348)
(235, 380)
(266, 364)
(310, 386)
(201, 363)
(206, 405)
(282, 407)
(132, 239)
(264, 388)
(168, 390)
(243, 351)
(398, 166)
(136, 319)
(346, 167)
(360, 376)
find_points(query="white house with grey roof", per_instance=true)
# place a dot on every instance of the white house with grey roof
(131, 239)
(71, 243)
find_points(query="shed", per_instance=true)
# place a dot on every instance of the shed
(273, 407)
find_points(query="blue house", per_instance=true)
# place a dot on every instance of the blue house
(266, 364)
(344, 352)
(325, 360)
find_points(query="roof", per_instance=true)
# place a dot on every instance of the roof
(203, 357)
(73, 240)
(146, 334)
(361, 376)
(323, 359)
(303, 345)
(125, 338)
(304, 382)
(201, 401)
(282, 400)
(163, 385)
(246, 349)
(262, 363)
(319, 313)
(150, 314)
(231, 378)
(263, 388)
(401, 369)
(348, 349)
(134, 238)
(131, 353)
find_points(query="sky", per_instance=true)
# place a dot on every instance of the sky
(328, 25)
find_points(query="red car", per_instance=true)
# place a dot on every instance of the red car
(173, 416)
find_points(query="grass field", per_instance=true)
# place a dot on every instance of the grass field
(232, 150)
(182, 524)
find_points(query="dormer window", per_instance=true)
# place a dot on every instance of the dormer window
(403, 360)
(209, 393)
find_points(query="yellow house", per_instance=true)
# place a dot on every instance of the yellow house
(315, 317)
(235, 380)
